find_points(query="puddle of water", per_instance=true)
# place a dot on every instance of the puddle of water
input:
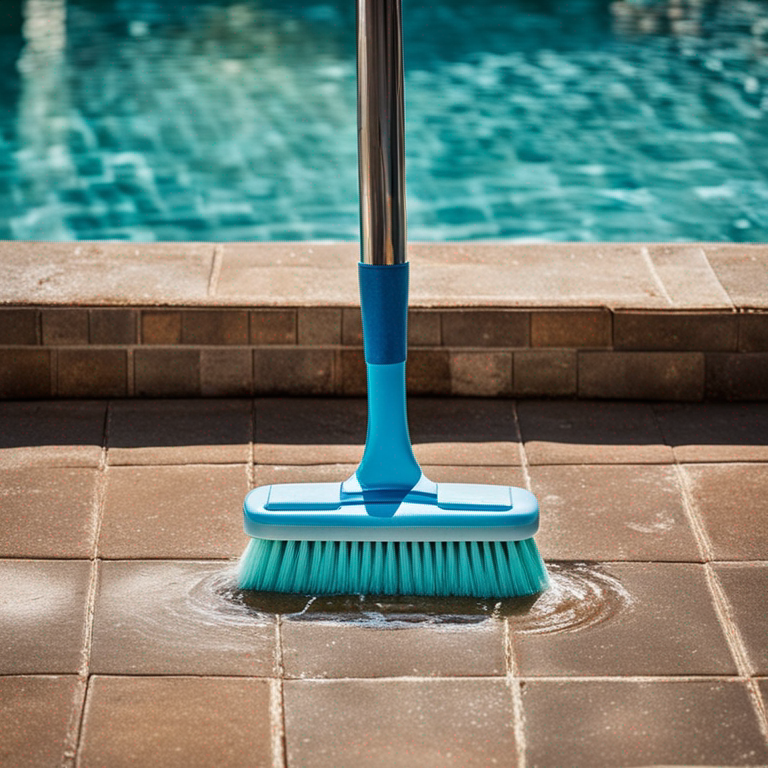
(580, 595)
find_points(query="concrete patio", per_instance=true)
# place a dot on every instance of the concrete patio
(125, 641)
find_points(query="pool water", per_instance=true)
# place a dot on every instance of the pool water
(527, 120)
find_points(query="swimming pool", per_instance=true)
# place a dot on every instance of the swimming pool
(527, 120)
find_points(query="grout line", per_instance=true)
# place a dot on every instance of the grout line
(277, 701)
(725, 293)
(72, 737)
(514, 683)
(523, 455)
(654, 273)
(86, 704)
(213, 279)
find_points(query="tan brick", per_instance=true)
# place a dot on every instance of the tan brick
(167, 372)
(424, 328)
(65, 326)
(487, 374)
(294, 371)
(160, 327)
(225, 372)
(113, 326)
(485, 328)
(545, 373)
(273, 326)
(351, 327)
(92, 373)
(18, 326)
(428, 372)
(214, 326)
(737, 376)
(25, 373)
(684, 331)
(571, 328)
(319, 325)
(353, 372)
(753, 332)
(642, 375)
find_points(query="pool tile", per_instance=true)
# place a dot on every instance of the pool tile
(637, 619)
(35, 715)
(588, 432)
(731, 500)
(180, 721)
(173, 512)
(704, 432)
(42, 615)
(183, 618)
(612, 512)
(47, 512)
(746, 587)
(62, 434)
(179, 432)
(395, 724)
(603, 724)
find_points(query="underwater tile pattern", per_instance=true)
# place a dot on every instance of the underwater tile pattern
(117, 572)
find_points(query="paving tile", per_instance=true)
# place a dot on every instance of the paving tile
(469, 474)
(746, 587)
(184, 722)
(179, 432)
(701, 432)
(753, 332)
(741, 376)
(428, 372)
(18, 326)
(648, 619)
(354, 375)
(352, 326)
(471, 431)
(486, 328)
(64, 326)
(34, 720)
(182, 618)
(612, 512)
(603, 724)
(113, 326)
(273, 326)
(545, 373)
(702, 331)
(294, 371)
(741, 271)
(309, 431)
(569, 432)
(730, 499)
(641, 375)
(173, 512)
(571, 328)
(319, 325)
(47, 512)
(42, 615)
(63, 434)
(25, 373)
(92, 373)
(99, 273)
(161, 326)
(214, 326)
(399, 723)
(484, 374)
(166, 372)
(423, 328)
(226, 372)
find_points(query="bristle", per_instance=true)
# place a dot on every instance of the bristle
(470, 569)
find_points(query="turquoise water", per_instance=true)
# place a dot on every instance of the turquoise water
(527, 120)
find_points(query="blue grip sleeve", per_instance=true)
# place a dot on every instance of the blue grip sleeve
(384, 305)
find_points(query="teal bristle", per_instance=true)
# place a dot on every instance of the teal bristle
(467, 569)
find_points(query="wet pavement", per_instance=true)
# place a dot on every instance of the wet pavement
(126, 642)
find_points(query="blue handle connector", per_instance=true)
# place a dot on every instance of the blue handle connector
(384, 304)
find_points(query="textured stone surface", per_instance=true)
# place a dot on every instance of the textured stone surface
(741, 271)
(42, 615)
(545, 372)
(273, 326)
(429, 723)
(753, 332)
(167, 372)
(319, 325)
(214, 327)
(602, 724)
(226, 372)
(92, 372)
(25, 373)
(47, 512)
(184, 618)
(18, 326)
(486, 329)
(705, 331)
(424, 328)
(484, 374)
(179, 721)
(113, 326)
(428, 371)
(160, 327)
(563, 328)
(35, 715)
(295, 371)
(65, 326)
(737, 376)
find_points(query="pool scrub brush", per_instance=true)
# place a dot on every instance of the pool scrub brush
(388, 529)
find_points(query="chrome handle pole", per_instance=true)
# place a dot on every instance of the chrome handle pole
(381, 131)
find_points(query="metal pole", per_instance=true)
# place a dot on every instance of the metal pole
(381, 131)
